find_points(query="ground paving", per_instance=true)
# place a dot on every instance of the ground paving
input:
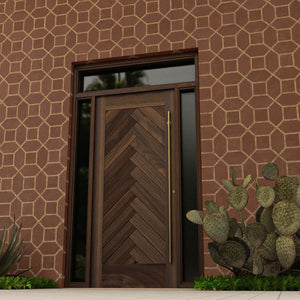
(142, 294)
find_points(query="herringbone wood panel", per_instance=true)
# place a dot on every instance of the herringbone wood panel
(134, 223)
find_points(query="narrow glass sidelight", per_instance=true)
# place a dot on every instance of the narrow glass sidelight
(169, 186)
(190, 244)
(79, 230)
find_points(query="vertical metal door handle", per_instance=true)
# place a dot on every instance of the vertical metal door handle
(169, 186)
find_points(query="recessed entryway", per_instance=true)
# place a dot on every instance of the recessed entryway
(135, 173)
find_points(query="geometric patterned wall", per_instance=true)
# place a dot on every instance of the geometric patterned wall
(249, 62)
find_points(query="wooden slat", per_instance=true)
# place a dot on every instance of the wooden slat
(152, 220)
(118, 223)
(149, 170)
(115, 181)
(147, 199)
(153, 144)
(147, 247)
(117, 132)
(114, 119)
(117, 193)
(118, 163)
(122, 253)
(149, 125)
(157, 193)
(111, 115)
(118, 149)
(161, 110)
(149, 155)
(139, 256)
(117, 240)
(114, 211)
(129, 260)
(157, 162)
(154, 115)
(143, 227)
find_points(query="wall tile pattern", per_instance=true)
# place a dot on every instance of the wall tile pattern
(249, 62)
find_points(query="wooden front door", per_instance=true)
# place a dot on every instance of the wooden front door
(133, 193)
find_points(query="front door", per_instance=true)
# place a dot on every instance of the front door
(132, 243)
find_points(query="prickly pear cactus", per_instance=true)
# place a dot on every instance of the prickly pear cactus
(286, 217)
(269, 246)
(270, 171)
(216, 226)
(238, 197)
(265, 196)
(268, 249)
(234, 253)
(266, 218)
(286, 188)
(256, 233)
(286, 251)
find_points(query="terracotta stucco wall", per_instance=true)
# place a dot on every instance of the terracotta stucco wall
(249, 62)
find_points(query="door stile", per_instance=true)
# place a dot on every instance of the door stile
(97, 206)
(172, 265)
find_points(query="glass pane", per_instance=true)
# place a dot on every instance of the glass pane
(81, 192)
(137, 77)
(190, 253)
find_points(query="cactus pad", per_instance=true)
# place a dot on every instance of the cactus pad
(246, 181)
(214, 253)
(297, 247)
(216, 226)
(265, 196)
(238, 197)
(272, 269)
(258, 214)
(258, 267)
(227, 185)
(256, 233)
(211, 206)
(234, 253)
(268, 249)
(239, 232)
(286, 251)
(286, 188)
(223, 211)
(286, 217)
(266, 218)
(233, 226)
(270, 171)
(298, 196)
(195, 216)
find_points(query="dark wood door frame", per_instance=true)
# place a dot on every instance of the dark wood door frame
(92, 221)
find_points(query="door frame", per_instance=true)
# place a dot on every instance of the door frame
(92, 222)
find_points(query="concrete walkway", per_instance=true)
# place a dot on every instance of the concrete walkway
(142, 294)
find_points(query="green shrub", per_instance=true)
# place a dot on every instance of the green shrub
(248, 283)
(23, 282)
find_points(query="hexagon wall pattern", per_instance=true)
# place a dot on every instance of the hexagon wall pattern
(249, 62)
